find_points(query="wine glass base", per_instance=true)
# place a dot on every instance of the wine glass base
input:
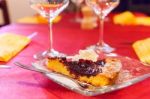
(103, 49)
(46, 54)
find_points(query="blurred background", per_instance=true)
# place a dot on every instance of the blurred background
(12, 10)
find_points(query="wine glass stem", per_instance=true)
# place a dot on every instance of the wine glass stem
(51, 35)
(101, 32)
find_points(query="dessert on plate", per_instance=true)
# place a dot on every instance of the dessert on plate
(87, 67)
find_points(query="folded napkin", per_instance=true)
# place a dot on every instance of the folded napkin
(143, 21)
(128, 18)
(37, 20)
(11, 44)
(142, 49)
(125, 18)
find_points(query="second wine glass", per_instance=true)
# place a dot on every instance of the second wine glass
(49, 9)
(102, 8)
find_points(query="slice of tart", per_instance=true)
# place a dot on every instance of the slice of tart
(97, 73)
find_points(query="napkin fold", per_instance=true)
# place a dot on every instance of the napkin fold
(37, 19)
(129, 18)
(125, 18)
(11, 44)
(142, 49)
(143, 21)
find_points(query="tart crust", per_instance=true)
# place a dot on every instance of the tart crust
(106, 77)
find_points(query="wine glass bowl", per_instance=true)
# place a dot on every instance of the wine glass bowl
(49, 9)
(102, 8)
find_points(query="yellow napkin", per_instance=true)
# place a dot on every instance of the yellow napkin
(37, 20)
(125, 18)
(11, 44)
(128, 18)
(143, 21)
(142, 49)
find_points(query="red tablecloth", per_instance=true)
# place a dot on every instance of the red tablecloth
(16, 83)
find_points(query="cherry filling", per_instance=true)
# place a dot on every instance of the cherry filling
(84, 67)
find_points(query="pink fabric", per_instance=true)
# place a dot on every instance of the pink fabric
(16, 83)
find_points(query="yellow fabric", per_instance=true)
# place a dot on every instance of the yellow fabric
(125, 18)
(37, 20)
(11, 44)
(128, 18)
(143, 21)
(142, 49)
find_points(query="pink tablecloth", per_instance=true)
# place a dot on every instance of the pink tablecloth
(16, 83)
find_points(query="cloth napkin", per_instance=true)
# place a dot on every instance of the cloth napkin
(129, 18)
(37, 19)
(11, 44)
(142, 49)
(143, 21)
(125, 18)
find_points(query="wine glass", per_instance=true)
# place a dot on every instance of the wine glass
(102, 8)
(49, 9)
(77, 3)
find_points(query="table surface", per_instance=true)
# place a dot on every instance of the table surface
(16, 83)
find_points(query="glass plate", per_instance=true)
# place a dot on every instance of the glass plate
(132, 72)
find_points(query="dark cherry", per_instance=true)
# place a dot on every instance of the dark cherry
(64, 58)
(83, 67)
(100, 62)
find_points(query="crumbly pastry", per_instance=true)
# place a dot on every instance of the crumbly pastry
(97, 73)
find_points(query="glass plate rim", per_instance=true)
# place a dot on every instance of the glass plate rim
(106, 89)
